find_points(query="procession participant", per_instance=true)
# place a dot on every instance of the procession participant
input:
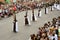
(52, 7)
(46, 9)
(15, 24)
(39, 13)
(33, 16)
(27, 21)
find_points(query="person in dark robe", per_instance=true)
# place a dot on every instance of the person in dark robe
(33, 17)
(26, 18)
(46, 9)
(39, 13)
(15, 26)
(51, 7)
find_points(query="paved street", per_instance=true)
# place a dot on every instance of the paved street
(6, 24)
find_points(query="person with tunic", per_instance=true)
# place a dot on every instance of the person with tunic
(46, 9)
(15, 25)
(39, 13)
(33, 16)
(51, 7)
(27, 21)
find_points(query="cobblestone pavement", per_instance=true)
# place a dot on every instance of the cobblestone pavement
(6, 24)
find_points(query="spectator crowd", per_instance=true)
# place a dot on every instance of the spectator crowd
(7, 10)
(50, 31)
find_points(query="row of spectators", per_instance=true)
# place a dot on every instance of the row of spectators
(7, 10)
(50, 31)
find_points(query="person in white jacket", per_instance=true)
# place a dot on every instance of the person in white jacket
(55, 37)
